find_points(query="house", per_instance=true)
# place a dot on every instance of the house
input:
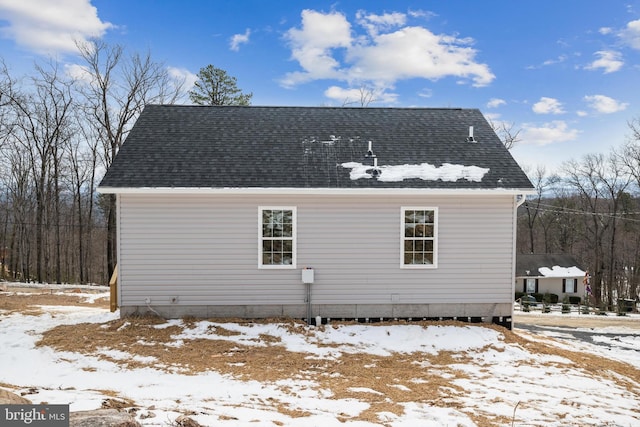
(259, 212)
(558, 274)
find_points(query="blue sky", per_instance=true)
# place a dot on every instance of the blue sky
(563, 73)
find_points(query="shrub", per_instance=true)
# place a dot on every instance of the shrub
(519, 295)
(566, 307)
(550, 298)
(538, 296)
(574, 300)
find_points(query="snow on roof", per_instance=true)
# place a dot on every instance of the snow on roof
(424, 171)
(557, 271)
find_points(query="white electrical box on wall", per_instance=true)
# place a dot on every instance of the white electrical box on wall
(307, 275)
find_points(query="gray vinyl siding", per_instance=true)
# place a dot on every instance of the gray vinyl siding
(203, 249)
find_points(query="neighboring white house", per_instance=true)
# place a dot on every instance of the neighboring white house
(558, 274)
(258, 212)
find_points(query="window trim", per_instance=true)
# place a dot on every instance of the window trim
(534, 281)
(294, 232)
(565, 285)
(403, 209)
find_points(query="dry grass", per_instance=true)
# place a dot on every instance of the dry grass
(29, 303)
(384, 382)
(389, 380)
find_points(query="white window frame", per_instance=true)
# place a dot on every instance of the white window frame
(573, 287)
(293, 238)
(403, 238)
(530, 285)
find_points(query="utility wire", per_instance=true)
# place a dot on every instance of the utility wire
(577, 212)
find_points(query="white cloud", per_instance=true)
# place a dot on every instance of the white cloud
(78, 73)
(425, 93)
(631, 34)
(422, 14)
(492, 117)
(51, 27)
(605, 30)
(238, 39)
(415, 52)
(609, 60)
(604, 104)
(549, 133)
(382, 56)
(360, 96)
(312, 46)
(548, 62)
(547, 106)
(558, 60)
(376, 23)
(182, 74)
(496, 102)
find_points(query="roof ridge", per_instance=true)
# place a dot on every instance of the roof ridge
(315, 107)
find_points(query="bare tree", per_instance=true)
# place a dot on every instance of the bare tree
(20, 198)
(42, 124)
(541, 182)
(117, 88)
(600, 183)
(82, 153)
(629, 155)
(6, 88)
(367, 96)
(506, 132)
(634, 126)
(561, 224)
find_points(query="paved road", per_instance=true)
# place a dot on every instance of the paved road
(609, 340)
(632, 321)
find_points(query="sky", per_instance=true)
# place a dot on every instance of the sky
(487, 374)
(562, 74)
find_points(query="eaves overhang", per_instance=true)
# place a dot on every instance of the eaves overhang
(318, 191)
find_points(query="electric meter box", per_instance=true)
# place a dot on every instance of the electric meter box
(307, 275)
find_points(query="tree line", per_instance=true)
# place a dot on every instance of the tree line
(60, 129)
(590, 208)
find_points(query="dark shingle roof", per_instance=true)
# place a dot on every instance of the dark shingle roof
(239, 147)
(532, 262)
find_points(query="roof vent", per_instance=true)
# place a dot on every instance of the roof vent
(470, 138)
(370, 151)
(375, 172)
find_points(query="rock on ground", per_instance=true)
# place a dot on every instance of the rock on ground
(8, 398)
(184, 421)
(102, 418)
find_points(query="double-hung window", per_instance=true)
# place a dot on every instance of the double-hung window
(531, 285)
(570, 286)
(419, 241)
(277, 237)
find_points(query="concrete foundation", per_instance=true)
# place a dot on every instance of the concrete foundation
(484, 312)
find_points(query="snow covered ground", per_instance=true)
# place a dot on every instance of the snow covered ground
(490, 379)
